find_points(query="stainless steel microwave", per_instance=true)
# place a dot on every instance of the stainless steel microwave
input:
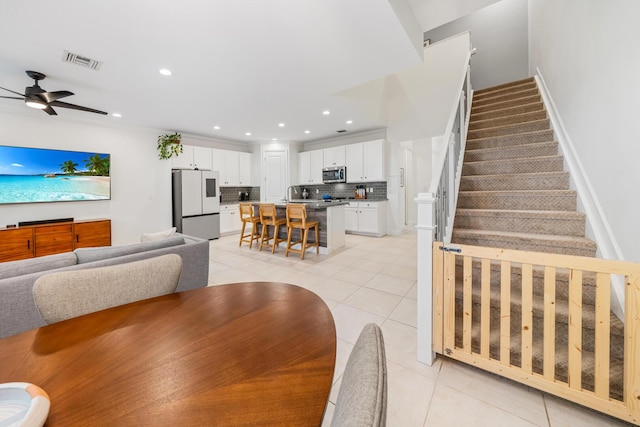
(334, 174)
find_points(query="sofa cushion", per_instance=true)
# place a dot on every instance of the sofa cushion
(159, 235)
(34, 265)
(95, 254)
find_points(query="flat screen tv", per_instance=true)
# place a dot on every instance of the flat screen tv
(31, 175)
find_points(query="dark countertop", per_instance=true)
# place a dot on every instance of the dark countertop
(311, 203)
(315, 204)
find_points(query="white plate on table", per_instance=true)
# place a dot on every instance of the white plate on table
(23, 405)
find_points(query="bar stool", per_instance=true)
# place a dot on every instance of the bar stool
(297, 218)
(268, 216)
(246, 216)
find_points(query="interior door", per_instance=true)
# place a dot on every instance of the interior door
(275, 176)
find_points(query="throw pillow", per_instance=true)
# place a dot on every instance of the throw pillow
(150, 237)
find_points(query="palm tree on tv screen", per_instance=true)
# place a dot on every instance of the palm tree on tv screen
(69, 167)
(97, 165)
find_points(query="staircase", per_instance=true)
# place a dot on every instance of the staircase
(514, 194)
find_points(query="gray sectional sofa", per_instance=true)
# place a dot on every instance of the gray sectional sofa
(18, 311)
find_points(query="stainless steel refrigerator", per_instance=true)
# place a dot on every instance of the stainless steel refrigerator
(196, 202)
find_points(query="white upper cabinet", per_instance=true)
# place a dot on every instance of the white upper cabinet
(244, 170)
(334, 156)
(193, 157)
(310, 167)
(202, 158)
(365, 161)
(355, 171)
(234, 167)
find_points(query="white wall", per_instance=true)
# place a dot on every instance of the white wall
(499, 33)
(587, 54)
(140, 183)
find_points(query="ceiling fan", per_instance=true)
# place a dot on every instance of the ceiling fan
(36, 97)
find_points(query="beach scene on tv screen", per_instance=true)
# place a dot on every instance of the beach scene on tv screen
(30, 175)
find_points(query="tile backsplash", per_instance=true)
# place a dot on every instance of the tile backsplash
(343, 190)
(379, 191)
(232, 194)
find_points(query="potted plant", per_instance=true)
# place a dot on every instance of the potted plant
(169, 145)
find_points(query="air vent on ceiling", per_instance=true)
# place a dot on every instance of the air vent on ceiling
(341, 130)
(83, 61)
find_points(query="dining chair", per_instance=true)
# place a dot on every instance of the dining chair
(66, 294)
(247, 217)
(362, 399)
(269, 217)
(297, 219)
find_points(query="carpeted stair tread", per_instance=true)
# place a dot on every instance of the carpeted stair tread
(545, 200)
(567, 223)
(561, 314)
(479, 95)
(569, 245)
(538, 149)
(476, 109)
(501, 112)
(514, 166)
(523, 181)
(504, 86)
(509, 129)
(562, 277)
(544, 135)
(491, 99)
(507, 120)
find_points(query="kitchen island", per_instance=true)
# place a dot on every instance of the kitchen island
(331, 216)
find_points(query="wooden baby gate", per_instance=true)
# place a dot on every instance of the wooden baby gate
(475, 322)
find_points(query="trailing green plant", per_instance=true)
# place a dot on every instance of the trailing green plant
(169, 145)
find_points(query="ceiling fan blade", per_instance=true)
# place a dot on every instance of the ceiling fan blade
(12, 91)
(75, 107)
(50, 111)
(52, 96)
(11, 97)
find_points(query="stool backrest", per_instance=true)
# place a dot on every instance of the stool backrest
(267, 212)
(296, 215)
(246, 211)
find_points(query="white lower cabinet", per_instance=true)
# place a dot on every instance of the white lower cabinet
(230, 219)
(368, 218)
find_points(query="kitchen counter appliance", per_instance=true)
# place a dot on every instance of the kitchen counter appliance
(334, 174)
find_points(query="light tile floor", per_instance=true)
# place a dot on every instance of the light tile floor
(374, 280)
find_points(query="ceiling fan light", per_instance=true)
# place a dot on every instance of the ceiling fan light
(36, 104)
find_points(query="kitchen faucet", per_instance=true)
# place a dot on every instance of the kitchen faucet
(288, 195)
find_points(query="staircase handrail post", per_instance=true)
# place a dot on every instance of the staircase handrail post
(426, 226)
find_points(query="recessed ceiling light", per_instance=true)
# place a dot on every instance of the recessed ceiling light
(274, 139)
(349, 122)
(307, 131)
(165, 72)
(248, 133)
(216, 127)
(117, 115)
(326, 112)
(281, 125)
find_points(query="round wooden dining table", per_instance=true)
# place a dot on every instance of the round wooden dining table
(242, 354)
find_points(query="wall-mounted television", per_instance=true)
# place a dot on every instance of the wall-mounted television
(32, 175)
